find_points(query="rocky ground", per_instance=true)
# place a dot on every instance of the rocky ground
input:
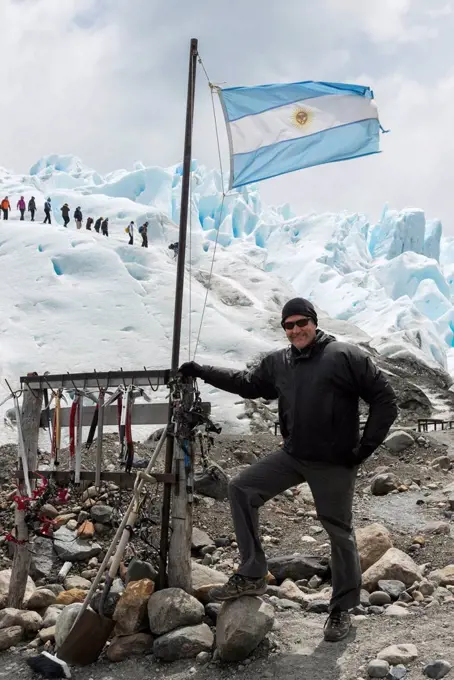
(404, 499)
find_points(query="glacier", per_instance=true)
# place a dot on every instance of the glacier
(74, 300)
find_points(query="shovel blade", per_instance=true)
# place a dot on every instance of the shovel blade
(86, 640)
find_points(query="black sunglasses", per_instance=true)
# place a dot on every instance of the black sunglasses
(289, 325)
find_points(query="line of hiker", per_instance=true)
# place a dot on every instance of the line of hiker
(5, 206)
(101, 225)
(143, 231)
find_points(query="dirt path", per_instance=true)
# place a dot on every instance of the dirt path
(301, 655)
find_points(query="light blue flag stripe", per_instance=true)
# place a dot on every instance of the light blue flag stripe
(336, 144)
(246, 101)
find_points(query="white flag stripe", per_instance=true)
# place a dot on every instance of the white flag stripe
(278, 125)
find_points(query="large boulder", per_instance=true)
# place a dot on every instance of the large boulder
(296, 567)
(50, 617)
(203, 579)
(373, 541)
(72, 549)
(399, 441)
(9, 617)
(443, 577)
(71, 596)
(130, 612)
(77, 582)
(138, 570)
(184, 643)
(121, 648)
(394, 565)
(200, 539)
(65, 622)
(41, 599)
(384, 483)
(212, 482)
(101, 513)
(43, 557)
(10, 637)
(396, 654)
(173, 608)
(30, 622)
(241, 626)
(288, 590)
(5, 578)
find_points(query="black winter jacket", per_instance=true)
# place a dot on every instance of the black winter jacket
(318, 390)
(78, 215)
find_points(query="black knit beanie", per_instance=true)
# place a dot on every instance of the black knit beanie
(299, 306)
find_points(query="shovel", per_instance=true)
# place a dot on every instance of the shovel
(90, 631)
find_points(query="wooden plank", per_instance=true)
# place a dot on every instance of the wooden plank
(124, 480)
(31, 409)
(179, 567)
(92, 381)
(142, 414)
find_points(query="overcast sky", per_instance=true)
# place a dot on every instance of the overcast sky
(106, 81)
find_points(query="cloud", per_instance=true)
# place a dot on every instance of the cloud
(385, 21)
(106, 80)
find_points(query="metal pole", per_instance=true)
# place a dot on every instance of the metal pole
(185, 184)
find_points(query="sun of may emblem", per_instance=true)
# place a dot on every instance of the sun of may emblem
(301, 118)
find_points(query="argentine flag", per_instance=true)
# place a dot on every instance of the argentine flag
(275, 129)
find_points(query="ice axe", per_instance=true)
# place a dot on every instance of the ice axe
(91, 630)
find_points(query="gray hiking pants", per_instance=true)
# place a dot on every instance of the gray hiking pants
(332, 487)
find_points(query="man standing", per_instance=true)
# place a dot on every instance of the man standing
(105, 227)
(47, 209)
(318, 382)
(32, 208)
(98, 224)
(21, 205)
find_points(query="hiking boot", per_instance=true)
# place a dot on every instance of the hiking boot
(237, 586)
(337, 625)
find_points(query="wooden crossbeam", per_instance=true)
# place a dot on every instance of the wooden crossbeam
(125, 480)
(142, 414)
(97, 380)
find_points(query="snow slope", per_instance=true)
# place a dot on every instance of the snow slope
(78, 301)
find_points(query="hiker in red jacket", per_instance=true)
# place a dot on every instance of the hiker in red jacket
(21, 205)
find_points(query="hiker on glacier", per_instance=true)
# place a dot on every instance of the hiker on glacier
(89, 223)
(65, 214)
(143, 231)
(21, 205)
(6, 207)
(32, 208)
(78, 217)
(130, 231)
(318, 382)
(105, 227)
(47, 209)
(98, 224)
